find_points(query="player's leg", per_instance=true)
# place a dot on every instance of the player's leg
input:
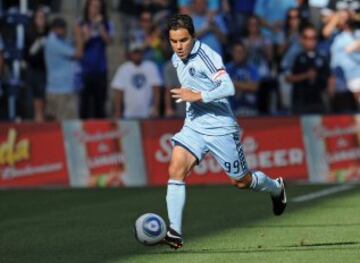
(182, 161)
(187, 152)
(228, 151)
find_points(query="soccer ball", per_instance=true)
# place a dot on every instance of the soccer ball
(150, 229)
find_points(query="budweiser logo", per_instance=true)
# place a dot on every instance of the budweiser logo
(324, 132)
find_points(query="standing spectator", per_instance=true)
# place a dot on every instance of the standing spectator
(351, 5)
(211, 29)
(292, 38)
(1, 63)
(150, 35)
(137, 86)
(97, 32)
(343, 56)
(272, 14)
(185, 6)
(316, 7)
(342, 100)
(241, 11)
(309, 76)
(36, 69)
(245, 77)
(61, 68)
(259, 48)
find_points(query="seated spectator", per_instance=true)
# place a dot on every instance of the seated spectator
(309, 76)
(97, 33)
(245, 78)
(61, 68)
(136, 86)
(344, 55)
(36, 70)
(210, 29)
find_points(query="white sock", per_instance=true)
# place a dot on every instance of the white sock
(261, 183)
(175, 200)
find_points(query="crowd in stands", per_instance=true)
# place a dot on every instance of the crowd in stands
(284, 57)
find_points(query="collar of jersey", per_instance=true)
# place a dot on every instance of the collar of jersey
(194, 51)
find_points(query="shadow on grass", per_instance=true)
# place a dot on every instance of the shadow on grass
(96, 225)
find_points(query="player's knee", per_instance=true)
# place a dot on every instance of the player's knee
(244, 182)
(177, 172)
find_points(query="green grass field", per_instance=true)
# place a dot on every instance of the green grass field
(221, 224)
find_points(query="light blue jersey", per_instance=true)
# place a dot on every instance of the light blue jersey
(204, 72)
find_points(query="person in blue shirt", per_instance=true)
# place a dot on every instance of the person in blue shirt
(97, 32)
(61, 69)
(210, 126)
(210, 28)
(245, 78)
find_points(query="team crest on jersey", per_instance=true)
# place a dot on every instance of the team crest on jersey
(192, 71)
(139, 80)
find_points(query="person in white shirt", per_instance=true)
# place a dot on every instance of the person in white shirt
(136, 86)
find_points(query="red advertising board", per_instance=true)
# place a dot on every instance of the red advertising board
(98, 150)
(32, 155)
(273, 145)
(340, 137)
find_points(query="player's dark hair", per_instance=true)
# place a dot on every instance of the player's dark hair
(181, 21)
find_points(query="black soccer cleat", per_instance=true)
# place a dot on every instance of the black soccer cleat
(173, 239)
(279, 202)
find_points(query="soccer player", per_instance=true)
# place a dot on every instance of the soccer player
(210, 126)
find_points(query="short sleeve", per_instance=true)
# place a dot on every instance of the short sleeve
(118, 82)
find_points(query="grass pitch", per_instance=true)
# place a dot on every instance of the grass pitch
(221, 224)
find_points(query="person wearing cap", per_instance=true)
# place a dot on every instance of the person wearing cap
(136, 86)
(61, 65)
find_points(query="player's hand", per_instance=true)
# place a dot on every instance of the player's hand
(184, 94)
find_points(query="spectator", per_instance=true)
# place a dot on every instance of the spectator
(246, 79)
(210, 29)
(259, 49)
(97, 32)
(344, 56)
(36, 69)
(61, 67)
(129, 14)
(292, 36)
(272, 14)
(137, 86)
(316, 7)
(241, 11)
(212, 5)
(150, 35)
(351, 5)
(309, 76)
(342, 100)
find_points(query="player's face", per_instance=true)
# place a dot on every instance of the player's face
(181, 42)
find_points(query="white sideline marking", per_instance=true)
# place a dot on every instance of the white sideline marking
(321, 193)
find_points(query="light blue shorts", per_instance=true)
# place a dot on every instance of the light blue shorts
(226, 149)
